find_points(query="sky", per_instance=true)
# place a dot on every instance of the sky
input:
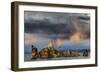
(43, 26)
(42, 21)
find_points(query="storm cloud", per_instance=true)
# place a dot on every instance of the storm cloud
(55, 23)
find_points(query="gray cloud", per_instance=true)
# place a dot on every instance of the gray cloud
(56, 23)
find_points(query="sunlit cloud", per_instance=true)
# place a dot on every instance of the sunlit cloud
(78, 36)
(30, 39)
(33, 39)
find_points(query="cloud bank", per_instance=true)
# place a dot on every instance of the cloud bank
(56, 23)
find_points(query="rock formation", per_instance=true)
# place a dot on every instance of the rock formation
(48, 52)
(34, 52)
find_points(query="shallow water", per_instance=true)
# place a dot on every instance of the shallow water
(27, 57)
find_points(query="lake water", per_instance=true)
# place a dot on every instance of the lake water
(27, 57)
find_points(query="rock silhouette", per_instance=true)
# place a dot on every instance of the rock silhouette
(50, 52)
(34, 52)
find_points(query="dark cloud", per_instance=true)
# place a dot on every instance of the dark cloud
(56, 23)
(83, 18)
(42, 26)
